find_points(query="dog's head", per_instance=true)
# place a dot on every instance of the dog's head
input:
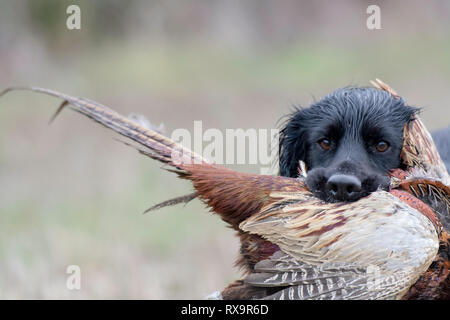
(349, 141)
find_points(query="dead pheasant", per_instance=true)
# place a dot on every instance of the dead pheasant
(388, 245)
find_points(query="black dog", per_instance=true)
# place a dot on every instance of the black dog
(349, 141)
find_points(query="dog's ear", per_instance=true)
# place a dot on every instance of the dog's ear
(292, 144)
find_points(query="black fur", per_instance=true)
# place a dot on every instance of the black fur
(442, 140)
(353, 120)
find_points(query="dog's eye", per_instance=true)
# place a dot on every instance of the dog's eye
(382, 146)
(325, 144)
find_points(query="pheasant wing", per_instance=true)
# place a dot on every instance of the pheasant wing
(332, 250)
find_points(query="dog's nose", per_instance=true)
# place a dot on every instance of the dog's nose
(343, 187)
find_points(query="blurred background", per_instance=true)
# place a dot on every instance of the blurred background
(72, 195)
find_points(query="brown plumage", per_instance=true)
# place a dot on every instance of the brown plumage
(388, 245)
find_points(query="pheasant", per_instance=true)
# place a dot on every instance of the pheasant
(388, 245)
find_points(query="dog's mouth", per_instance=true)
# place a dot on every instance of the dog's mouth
(335, 186)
